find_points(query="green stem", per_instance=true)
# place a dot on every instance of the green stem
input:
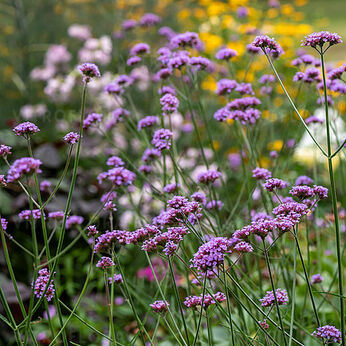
(293, 293)
(201, 314)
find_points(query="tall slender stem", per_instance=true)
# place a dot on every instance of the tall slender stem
(201, 314)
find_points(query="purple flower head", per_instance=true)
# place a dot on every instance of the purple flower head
(247, 116)
(337, 72)
(164, 73)
(194, 301)
(71, 138)
(25, 129)
(217, 205)
(321, 192)
(275, 183)
(41, 284)
(313, 120)
(243, 247)
(307, 59)
(166, 89)
(169, 103)
(124, 80)
(222, 114)
(179, 60)
(120, 176)
(261, 173)
(302, 191)
(166, 31)
(45, 185)
(211, 254)
(149, 19)
(23, 166)
(187, 39)
(170, 248)
(4, 224)
(244, 89)
(267, 44)
(92, 231)
(140, 48)
(171, 188)
(74, 220)
(252, 49)
(264, 324)
(291, 210)
(199, 197)
(269, 299)
(150, 154)
(162, 139)
(209, 176)
(113, 88)
(145, 169)
(320, 38)
(5, 150)
(242, 12)
(128, 24)
(116, 279)
(91, 118)
(226, 54)
(328, 334)
(133, 60)
(316, 279)
(243, 103)
(104, 263)
(89, 71)
(200, 63)
(303, 180)
(159, 306)
(267, 78)
(115, 161)
(225, 86)
(56, 215)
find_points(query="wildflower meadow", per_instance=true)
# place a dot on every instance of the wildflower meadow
(172, 173)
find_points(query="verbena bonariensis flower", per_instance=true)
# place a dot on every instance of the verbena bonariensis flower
(269, 299)
(187, 39)
(243, 103)
(71, 138)
(167, 89)
(140, 48)
(243, 247)
(169, 103)
(247, 116)
(261, 173)
(314, 120)
(252, 49)
(128, 24)
(275, 183)
(244, 89)
(115, 161)
(302, 191)
(133, 60)
(114, 89)
(116, 279)
(266, 43)
(222, 114)
(264, 324)
(150, 154)
(217, 205)
(200, 63)
(89, 71)
(162, 139)
(170, 188)
(56, 215)
(199, 197)
(104, 263)
(159, 306)
(209, 176)
(119, 176)
(92, 231)
(148, 121)
(303, 180)
(267, 78)
(163, 73)
(23, 166)
(225, 86)
(91, 118)
(26, 214)
(149, 19)
(321, 192)
(316, 279)
(292, 210)
(5, 150)
(25, 129)
(41, 284)
(328, 334)
(320, 38)
(74, 220)
(226, 54)
(336, 73)
(167, 31)
(211, 254)
(194, 301)
(4, 224)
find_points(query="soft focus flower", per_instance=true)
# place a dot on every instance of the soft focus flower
(5, 150)
(116, 279)
(261, 173)
(89, 71)
(209, 176)
(162, 139)
(169, 103)
(71, 138)
(104, 263)
(92, 231)
(275, 183)
(74, 220)
(90, 119)
(159, 306)
(23, 166)
(328, 334)
(26, 128)
(269, 299)
(41, 284)
(148, 121)
(320, 38)
(316, 279)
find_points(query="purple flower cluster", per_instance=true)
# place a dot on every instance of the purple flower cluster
(116, 279)
(268, 44)
(261, 173)
(26, 214)
(89, 71)
(71, 138)
(115, 161)
(41, 284)
(56, 215)
(225, 86)
(328, 334)
(226, 54)
(211, 254)
(150, 154)
(74, 220)
(149, 19)
(92, 231)
(159, 306)
(200, 63)
(310, 75)
(148, 121)
(209, 176)
(303, 180)
(316, 279)
(5, 150)
(91, 118)
(171, 188)
(25, 129)
(4, 223)
(169, 103)
(140, 48)
(187, 39)
(320, 38)
(104, 263)
(162, 139)
(269, 299)
(23, 166)
(275, 183)
(194, 301)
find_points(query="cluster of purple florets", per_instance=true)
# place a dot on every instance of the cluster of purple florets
(320, 38)
(159, 306)
(104, 263)
(118, 176)
(268, 44)
(89, 71)
(261, 173)
(209, 176)
(74, 220)
(5, 150)
(148, 121)
(71, 138)
(27, 214)
(169, 103)
(226, 54)
(272, 184)
(41, 284)
(22, 167)
(91, 118)
(328, 334)
(116, 279)
(25, 129)
(207, 299)
(269, 299)
(162, 139)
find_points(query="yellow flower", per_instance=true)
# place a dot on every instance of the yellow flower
(264, 161)
(211, 41)
(238, 47)
(209, 83)
(184, 13)
(227, 21)
(216, 144)
(229, 121)
(268, 115)
(216, 8)
(278, 101)
(276, 145)
(287, 9)
(341, 106)
(272, 13)
(300, 2)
